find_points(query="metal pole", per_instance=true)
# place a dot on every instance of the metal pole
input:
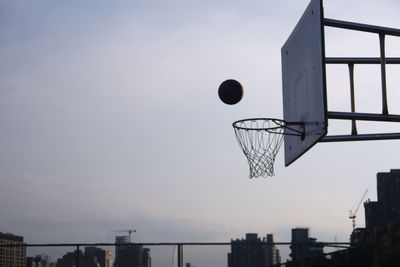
(180, 255)
(77, 256)
(383, 73)
(361, 27)
(362, 116)
(360, 137)
(352, 97)
(361, 60)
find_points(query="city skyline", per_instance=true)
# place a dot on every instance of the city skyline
(381, 230)
(111, 120)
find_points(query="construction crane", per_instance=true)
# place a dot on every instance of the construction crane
(130, 231)
(353, 213)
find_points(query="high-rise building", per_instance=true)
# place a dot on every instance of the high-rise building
(12, 256)
(389, 195)
(373, 214)
(382, 217)
(384, 211)
(41, 260)
(302, 246)
(146, 257)
(299, 240)
(71, 259)
(130, 255)
(98, 255)
(253, 252)
(91, 257)
(272, 252)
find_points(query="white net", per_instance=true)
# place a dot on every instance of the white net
(260, 140)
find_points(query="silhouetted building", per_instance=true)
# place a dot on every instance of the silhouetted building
(382, 216)
(12, 256)
(130, 255)
(382, 221)
(360, 235)
(272, 252)
(71, 259)
(253, 252)
(146, 257)
(41, 260)
(92, 257)
(373, 214)
(98, 255)
(389, 195)
(355, 256)
(303, 247)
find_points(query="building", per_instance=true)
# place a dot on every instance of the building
(130, 255)
(387, 208)
(71, 258)
(12, 256)
(41, 260)
(146, 257)
(98, 255)
(382, 217)
(382, 222)
(299, 247)
(272, 252)
(253, 252)
(302, 248)
(373, 214)
(92, 257)
(388, 185)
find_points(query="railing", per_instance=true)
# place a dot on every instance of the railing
(177, 249)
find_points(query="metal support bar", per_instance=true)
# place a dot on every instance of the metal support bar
(361, 60)
(360, 137)
(361, 27)
(77, 257)
(300, 132)
(383, 73)
(353, 104)
(362, 116)
(180, 255)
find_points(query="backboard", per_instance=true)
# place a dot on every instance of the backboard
(304, 82)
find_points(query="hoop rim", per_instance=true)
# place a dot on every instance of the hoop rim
(279, 122)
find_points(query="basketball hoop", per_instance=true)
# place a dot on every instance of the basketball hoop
(260, 140)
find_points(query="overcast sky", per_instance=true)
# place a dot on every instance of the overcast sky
(110, 119)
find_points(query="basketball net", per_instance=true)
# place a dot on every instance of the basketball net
(260, 140)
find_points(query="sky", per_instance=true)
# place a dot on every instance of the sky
(110, 119)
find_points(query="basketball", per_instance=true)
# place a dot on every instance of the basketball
(230, 92)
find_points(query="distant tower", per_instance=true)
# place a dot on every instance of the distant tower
(389, 195)
(302, 248)
(272, 252)
(382, 217)
(252, 252)
(98, 256)
(387, 208)
(146, 257)
(299, 240)
(130, 255)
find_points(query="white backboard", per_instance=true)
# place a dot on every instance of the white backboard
(304, 83)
